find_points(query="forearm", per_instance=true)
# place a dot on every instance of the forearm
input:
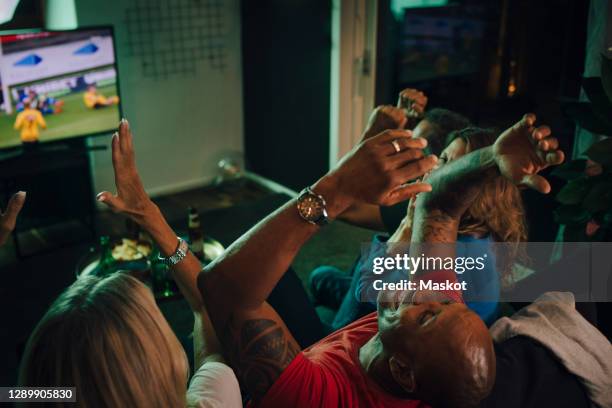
(433, 226)
(245, 275)
(363, 215)
(206, 345)
(455, 185)
(438, 213)
(434, 237)
(185, 274)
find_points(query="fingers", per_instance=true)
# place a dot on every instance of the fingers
(555, 158)
(116, 150)
(417, 168)
(383, 118)
(125, 136)
(540, 133)
(420, 103)
(122, 147)
(388, 117)
(406, 155)
(129, 136)
(112, 201)
(403, 121)
(406, 192)
(399, 146)
(14, 206)
(412, 99)
(387, 136)
(526, 121)
(397, 115)
(536, 182)
(548, 144)
(529, 119)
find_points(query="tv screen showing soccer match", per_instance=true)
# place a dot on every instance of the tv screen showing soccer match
(57, 85)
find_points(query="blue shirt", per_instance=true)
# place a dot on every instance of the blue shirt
(483, 285)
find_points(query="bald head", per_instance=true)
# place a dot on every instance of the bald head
(440, 353)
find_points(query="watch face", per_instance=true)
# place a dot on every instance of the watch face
(311, 208)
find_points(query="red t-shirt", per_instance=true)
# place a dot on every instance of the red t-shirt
(329, 375)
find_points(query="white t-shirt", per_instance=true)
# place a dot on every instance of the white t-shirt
(214, 385)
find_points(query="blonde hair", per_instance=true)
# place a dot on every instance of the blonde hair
(497, 210)
(107, 337)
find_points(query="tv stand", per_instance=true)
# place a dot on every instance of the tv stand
(57, 179)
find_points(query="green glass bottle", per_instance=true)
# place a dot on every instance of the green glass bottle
(196, 237)
(107, 262)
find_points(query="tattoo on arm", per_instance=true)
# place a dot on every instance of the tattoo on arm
(260, 351)
(457, 184)
(431, 227)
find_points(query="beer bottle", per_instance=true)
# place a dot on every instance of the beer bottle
(196, 238)
(107, 262)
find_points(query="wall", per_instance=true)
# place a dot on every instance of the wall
(183, 123)
(353, 73)
(286, 54)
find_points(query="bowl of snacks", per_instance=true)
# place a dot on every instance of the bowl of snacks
(118, 254)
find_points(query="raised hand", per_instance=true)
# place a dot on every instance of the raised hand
(383, 118)
(131, 198)
(524, 150)
(377, 170)
(412, 102)
(8, 218)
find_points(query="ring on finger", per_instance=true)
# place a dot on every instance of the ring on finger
(396, 146)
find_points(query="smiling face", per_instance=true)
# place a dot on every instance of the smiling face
(442, 348)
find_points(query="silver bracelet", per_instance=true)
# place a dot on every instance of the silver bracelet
(179, 254)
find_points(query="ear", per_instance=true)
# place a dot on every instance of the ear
(402, 374)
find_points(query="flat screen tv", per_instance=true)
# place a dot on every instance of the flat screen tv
(435, 45)
(57, 85)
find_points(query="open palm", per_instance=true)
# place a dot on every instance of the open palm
(523, 150)
(131, 198)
